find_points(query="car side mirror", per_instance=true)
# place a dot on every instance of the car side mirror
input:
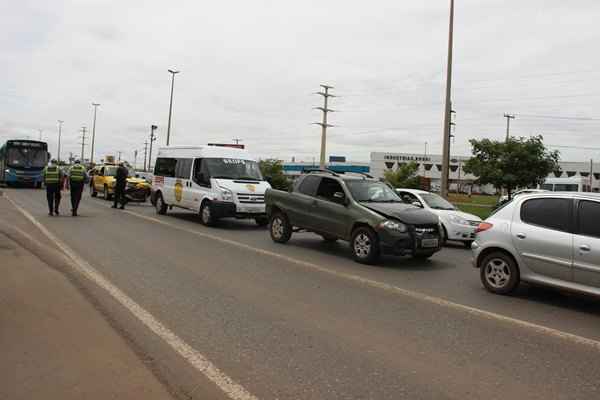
(339, 197)
(417, 204)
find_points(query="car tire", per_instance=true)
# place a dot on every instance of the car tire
(93, 192)
(365, 246)
(444, 237)
(499, 273)
(160, 205)
(206, 216)
(107, 196)
(468, 244)
(280, 228)
(262, 221)
(329, 238)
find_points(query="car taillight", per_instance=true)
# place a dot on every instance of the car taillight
(484, 226)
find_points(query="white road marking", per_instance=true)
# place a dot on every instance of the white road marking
(595, 344)
(232, 389)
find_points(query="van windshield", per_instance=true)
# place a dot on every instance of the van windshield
(233, 168)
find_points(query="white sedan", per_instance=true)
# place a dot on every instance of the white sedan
(458, 226)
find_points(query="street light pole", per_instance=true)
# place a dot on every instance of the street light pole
(508, 118)
(448, 107)
(59, 135)
(173, 72)
(152, 139)
(95, 105)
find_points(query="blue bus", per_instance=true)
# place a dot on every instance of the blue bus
(22, 162)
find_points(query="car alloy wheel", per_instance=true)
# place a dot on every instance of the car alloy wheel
(497, 273)
(277, 228)
(362, 245)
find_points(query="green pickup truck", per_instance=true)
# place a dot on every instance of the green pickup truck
(355, 208)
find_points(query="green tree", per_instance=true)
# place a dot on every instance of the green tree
(404, 177)
(272, 171)
(516, 163)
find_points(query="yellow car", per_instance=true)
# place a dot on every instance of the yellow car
(102, 180)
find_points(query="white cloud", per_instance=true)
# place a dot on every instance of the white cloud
(248, 69)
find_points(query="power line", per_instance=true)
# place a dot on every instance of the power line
(573, 147)
(558, 117)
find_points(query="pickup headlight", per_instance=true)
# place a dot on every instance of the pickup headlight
(458, 220)
(226, 194)
(393, 226)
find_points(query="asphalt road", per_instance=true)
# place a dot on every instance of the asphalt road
(303, 321)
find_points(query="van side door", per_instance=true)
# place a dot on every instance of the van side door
(586, 244)
(164, 178)
(182, 186)
(541, 232)
(200, 185)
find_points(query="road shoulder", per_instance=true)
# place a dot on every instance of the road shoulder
(55, 344)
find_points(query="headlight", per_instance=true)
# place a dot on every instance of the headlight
(7, 171)
(458, 220)
(393, 226)
(226, 195)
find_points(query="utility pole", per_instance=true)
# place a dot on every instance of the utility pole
(83, 129)
(40, 134)
(145, 155)
(448, 107)
(236, 140)
(120, 152)
(508, 118)
(95, 105)
(591, 174)
(152, 139)
(173, 72)
(135, 153)
(324, 125)
(59, 135)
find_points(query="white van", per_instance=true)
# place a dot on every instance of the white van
(216, 182)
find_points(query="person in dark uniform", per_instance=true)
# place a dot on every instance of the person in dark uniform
(122, 174)
(52, 180)
(77, 179)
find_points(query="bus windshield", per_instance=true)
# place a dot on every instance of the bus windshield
(26, 157)
(233, 168)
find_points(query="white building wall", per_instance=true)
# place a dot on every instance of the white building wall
(430, 166)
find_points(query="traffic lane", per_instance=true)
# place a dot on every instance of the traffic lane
(288, 332)
(448, 274)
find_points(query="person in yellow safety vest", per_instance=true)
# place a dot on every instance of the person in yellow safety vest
(52, 180)
(77, 180)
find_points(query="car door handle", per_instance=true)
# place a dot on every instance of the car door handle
(584, 247)
(521, 235)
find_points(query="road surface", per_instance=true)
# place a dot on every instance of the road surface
(303, 321)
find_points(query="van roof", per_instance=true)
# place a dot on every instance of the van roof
(204, 151)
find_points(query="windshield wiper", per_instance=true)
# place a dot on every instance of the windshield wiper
(248, 178)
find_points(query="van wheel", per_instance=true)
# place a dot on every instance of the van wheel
(261, 221)
(499, 273)
(206, 214)
(160, 205)
(280, 228)
(365, 245)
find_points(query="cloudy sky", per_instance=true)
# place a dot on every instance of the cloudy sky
(248, 68)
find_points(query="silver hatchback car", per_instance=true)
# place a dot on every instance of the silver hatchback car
(550, 239)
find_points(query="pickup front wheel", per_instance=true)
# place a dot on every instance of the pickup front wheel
(365, 245)
(280, 228)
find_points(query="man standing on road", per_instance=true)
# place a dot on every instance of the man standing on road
(77, 179)
(52, 180)
(122, 174)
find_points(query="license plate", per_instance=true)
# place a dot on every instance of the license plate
(428, 243)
